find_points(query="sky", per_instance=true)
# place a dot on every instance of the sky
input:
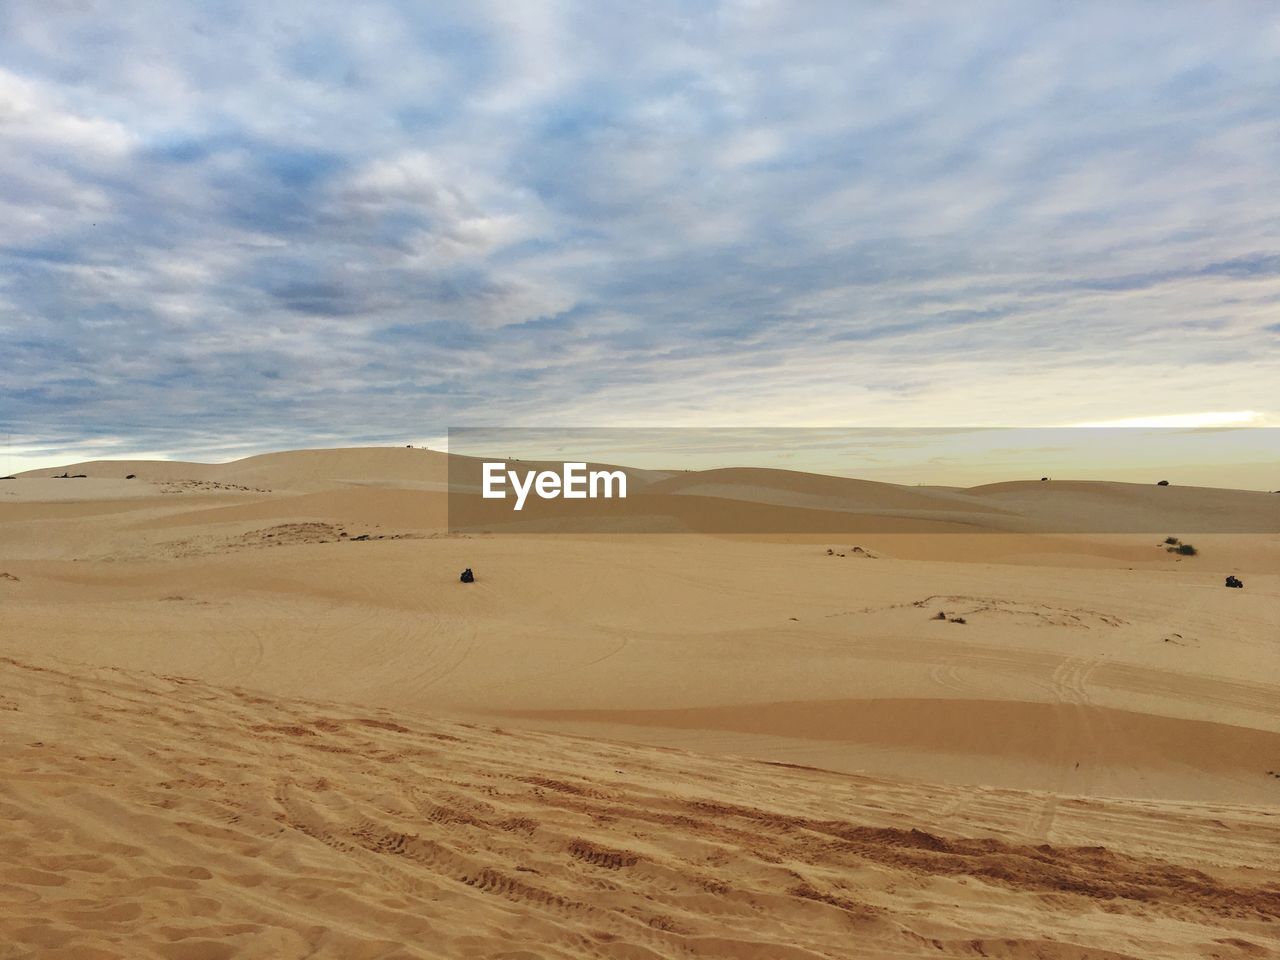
(235, 227)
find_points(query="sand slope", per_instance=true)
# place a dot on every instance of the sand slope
(152, 816)
(1086, 664)
(1100, 692)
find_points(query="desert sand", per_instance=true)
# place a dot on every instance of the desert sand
(247, 710)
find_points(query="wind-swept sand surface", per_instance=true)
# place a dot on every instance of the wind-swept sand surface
(151, 815)
(1100, 692)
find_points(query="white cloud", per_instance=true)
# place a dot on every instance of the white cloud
(299, 221)
(32, 118)
(1221, 418)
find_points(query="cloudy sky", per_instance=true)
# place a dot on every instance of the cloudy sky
(231, 227)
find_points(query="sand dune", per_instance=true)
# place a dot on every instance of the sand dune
(1100, 691)
(719, 501)
(161, 816)
(276, 470)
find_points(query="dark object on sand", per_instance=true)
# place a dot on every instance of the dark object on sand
(958, 620)
(132, 476)
(1235, 582)
(1043, 479)
(1163, 483)
(8, 478)
(940, 615)
(467, 576)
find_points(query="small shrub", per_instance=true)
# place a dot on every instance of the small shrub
(1172, 541)
(1163, 483)
(1186, 549)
